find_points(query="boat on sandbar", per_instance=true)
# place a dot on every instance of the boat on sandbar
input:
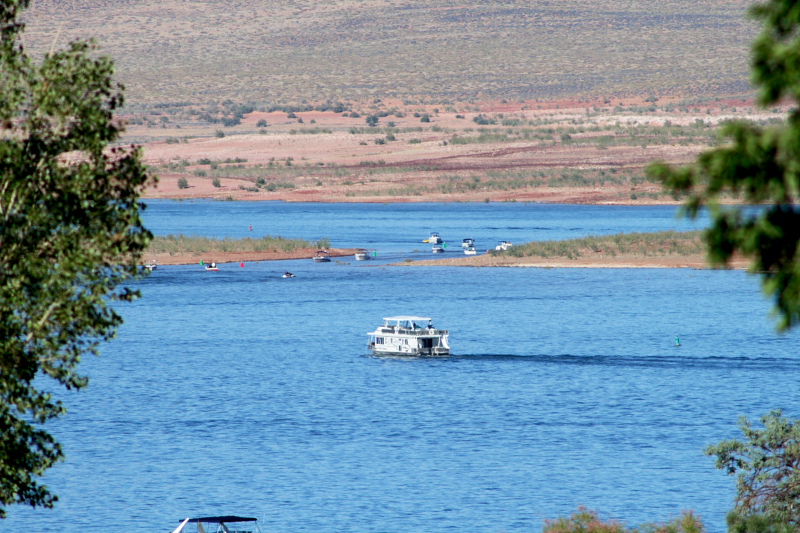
(409, 335)
(470, 251)
(322, 256)
(363, 254)
(503, 245)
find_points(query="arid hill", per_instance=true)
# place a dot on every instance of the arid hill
(304, 50)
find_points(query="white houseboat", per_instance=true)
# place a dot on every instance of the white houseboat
(409, 335)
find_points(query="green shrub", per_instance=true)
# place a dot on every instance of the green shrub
(216, 183)
(183, 183)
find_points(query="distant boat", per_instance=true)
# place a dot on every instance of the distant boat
(288, 275)
(434, 239)
(240, 524)
(468, 243)
(152, 265)
(503, 245)
(409, 335)
(437, 249)
(212, 267)
(470, 251)
(365, 255)
(322, 256)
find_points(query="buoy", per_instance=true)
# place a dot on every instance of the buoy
(202, 262)
(251, 227)
(677, 341)
(241, 264)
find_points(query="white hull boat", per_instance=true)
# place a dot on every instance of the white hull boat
(365, 255)
(409, 335)
(434, 239)
(322, 256)
(470, 251)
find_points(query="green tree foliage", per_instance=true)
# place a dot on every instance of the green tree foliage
(70, 232)
(759, 166)
(767, 466)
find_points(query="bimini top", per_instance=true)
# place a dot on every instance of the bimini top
(403, 318)
(222, 519)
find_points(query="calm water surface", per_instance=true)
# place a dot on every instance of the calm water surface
(241, 392)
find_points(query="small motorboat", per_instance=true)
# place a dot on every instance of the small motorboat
(437, 249)
(365, 255)
(468, 243)
(287, 275)
(434, 239)
(470, 251)
(322, 256)
(152, 265)
(503, 246)
(212, 267)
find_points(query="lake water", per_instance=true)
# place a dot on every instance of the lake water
(239, 392)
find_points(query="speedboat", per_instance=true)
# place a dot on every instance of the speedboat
(212, 267)
(503, 245)
(409, 335)
(152, 265)
(468, 243)
(437, 249)
(365, 255)
(322, 256)
(470, 251)
(434, 239)
(239, 524)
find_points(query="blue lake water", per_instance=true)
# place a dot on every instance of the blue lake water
(239, 392)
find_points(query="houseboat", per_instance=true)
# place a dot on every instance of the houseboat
(408, 335)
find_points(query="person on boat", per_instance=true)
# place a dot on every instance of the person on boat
(288, 275)
(430, 324)
(213, 264)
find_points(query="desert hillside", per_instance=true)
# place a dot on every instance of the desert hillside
(304, 50)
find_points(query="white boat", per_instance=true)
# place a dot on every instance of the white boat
(365, 255)
(322, 256)
(437, 249)
(434, 239)
(152, 265)
(238, 524)
(212, 267)
(468, 243)
(470, 251)
(409, 335)
(503, 245)
(287, 274)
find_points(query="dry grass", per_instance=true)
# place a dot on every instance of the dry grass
(183, 245)
(658, 244)
(414, 51)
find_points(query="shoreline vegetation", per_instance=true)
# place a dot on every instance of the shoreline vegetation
(664, 249)
(187, 250)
